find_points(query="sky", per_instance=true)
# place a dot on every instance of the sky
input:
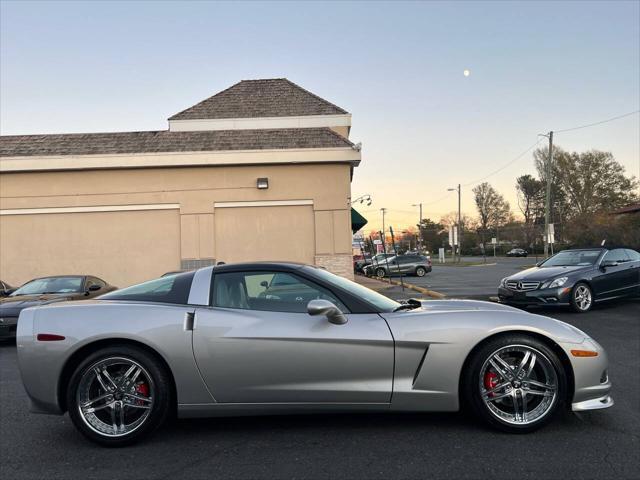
(396, 67)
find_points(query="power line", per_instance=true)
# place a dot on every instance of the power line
(513, 160)
(598, 123)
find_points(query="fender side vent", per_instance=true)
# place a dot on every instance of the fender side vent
(415, 375)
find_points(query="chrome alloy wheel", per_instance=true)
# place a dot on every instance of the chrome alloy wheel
(582, 297)
(518, 384)
(115, 396)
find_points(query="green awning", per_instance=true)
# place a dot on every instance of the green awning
(357, 221)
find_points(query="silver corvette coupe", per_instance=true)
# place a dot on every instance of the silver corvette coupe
(267, 338)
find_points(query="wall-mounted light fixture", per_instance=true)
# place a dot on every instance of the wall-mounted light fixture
(263, 183)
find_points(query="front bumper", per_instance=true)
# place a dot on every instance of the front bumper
(541, 296)
(8, 326)
(594, 404)
(592, 385)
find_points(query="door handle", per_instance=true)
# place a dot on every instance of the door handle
(189, 320)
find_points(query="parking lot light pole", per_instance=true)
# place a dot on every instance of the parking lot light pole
(459, 226)
(419, 246)
(383, 210)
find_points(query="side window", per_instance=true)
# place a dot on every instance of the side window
(172, 289)
(97, 281)
(616, 255)
(633, 255)
(268, 291)
(409, 259)
(88, 283)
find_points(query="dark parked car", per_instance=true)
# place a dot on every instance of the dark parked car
(517, 252)
(5, 289)
(42, 291)
(577, 278)
(379, 258)
(418, 265)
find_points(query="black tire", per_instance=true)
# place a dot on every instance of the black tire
(470, 383)
(576, 292)
(380, 272)
(421, 271)
(162, 400)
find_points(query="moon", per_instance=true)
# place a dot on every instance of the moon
(466, 72)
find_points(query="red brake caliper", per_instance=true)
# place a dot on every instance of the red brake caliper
(490, 381)
(143, 390)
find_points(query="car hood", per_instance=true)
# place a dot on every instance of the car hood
(545, 273)
(437, 318)
(458, 305)
(11, 306)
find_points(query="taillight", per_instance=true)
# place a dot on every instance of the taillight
(49, 337)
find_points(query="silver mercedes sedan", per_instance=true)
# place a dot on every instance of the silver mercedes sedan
(272, 338)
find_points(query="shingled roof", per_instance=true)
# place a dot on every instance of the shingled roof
(276, 97)
(166, 141)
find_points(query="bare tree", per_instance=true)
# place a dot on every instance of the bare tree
(493, 209)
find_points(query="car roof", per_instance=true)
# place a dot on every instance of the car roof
(234, 267)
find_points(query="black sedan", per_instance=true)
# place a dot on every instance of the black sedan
(517, 252)
(577, 278)
(42, 291)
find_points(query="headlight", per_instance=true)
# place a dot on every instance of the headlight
(503, 282)
(558, 282)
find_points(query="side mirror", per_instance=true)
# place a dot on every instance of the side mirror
(94, 288)
(264, 284)
(325, 307)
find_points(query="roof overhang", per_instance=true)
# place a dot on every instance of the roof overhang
(345, 155)
(261, 123)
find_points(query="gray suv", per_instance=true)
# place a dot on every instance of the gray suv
(418, 265)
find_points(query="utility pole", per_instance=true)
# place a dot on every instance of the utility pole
(419, 243)
(383, 210)
(459, 227)
(547, 202)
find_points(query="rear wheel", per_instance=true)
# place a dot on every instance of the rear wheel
(118, 395)
(380, 272)
(421, 271)
(581, 298)
(514, 383)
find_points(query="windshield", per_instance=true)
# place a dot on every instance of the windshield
(573, 258)
(50, 285)
(381, 302)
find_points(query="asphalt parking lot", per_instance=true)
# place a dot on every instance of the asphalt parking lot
(592, 445)
(471, 281)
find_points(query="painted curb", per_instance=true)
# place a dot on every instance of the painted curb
(424, 291)
(411, 286)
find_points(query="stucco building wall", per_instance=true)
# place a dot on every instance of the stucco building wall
(49, 223)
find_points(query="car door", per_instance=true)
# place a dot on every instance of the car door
(411, 264)
(257, 344)
(634, 268)
(613, 280)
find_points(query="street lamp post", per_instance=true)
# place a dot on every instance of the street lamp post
(419, 244)
(459, 226)
(384, 234)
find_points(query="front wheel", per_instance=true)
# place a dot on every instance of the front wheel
(118, 395)
(514, 383)
(581, 298)
(421, 271)
(380, 273)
